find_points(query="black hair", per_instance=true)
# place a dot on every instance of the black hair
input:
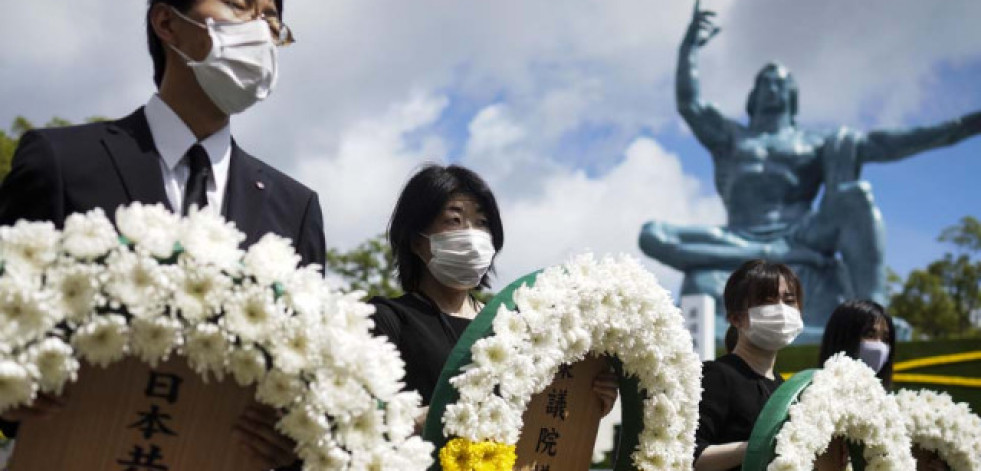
(848, 324)
(421, 201)
(157, 53)
(755, 282)
(732, 336)
(791, 84)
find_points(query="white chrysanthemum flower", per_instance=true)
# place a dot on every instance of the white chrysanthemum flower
(209, 239)
(304, 424)
(16, 385)
(89, 236)
(29, 247)
(509, 324)
(253, 314)
(152, 228)
(207, 349)
(499, 421)
(102, 340)
(305, 290)
(417, 453)
(339, 392)
(463, 420)
(329, 456)
(294, 346)
(199, 290)
(271, 259)
(154, 339)
(381, 371)
(76, 290)
(400, 413)
(279, 389)
(492, 353)
(518, 381)
(139, 284)
(361, 430)
(475, 384)
(55, 364)
(26, 313)
(247, 365)
(377, 457)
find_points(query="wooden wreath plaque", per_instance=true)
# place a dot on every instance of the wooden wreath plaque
(561, 422)
(131, 417)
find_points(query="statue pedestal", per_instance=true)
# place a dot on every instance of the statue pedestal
(561, 422)
(129, 416)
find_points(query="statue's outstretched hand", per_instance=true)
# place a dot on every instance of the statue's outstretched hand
(702, 29)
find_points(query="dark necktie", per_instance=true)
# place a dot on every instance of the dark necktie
(195, 192)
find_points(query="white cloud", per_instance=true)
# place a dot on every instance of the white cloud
(576, 212)
(359, 180)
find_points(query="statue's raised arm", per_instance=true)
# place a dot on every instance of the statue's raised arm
(709, 125)
(898, 144)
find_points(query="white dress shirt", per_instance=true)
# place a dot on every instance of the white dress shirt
(173, 139)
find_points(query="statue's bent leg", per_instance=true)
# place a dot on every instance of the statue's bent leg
(688, 247)
(861, 238)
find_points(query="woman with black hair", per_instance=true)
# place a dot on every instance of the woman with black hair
(864, 331)
(762, 302)
(445, 232)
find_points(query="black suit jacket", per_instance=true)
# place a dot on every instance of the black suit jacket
(59, 171)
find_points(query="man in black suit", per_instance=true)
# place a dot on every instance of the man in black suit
(150, 155)
(212, 58)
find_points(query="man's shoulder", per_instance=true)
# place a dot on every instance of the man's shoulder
(74, 134)
(78, 138)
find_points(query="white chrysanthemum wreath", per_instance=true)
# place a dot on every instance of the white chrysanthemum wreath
(611, 306)
(165, 285)
(844, 399)
(936, 423)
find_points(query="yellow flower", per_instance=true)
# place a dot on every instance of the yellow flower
(461, 454)
(456, 455)
(502, 457)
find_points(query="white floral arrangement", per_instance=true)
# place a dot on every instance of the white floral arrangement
(611, 306)
(844, 399)
(936, 423)
(164, 285)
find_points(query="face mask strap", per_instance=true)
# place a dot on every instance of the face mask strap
(189, 19)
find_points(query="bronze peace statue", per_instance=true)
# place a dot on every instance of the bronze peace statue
(769, 174)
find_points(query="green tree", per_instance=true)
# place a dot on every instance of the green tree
(369, 267)
(939, 299)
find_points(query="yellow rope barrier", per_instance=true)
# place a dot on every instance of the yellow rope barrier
(930, 379)
(937, 360)
(937, 379)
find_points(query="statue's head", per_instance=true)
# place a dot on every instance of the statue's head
(775, 90)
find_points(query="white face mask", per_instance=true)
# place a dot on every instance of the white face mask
(774, 326)
(874, 353)
(460, 258)
(241, 68)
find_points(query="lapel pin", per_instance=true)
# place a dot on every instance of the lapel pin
(260, 185)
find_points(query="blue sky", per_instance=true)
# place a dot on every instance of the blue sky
(565, 107)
